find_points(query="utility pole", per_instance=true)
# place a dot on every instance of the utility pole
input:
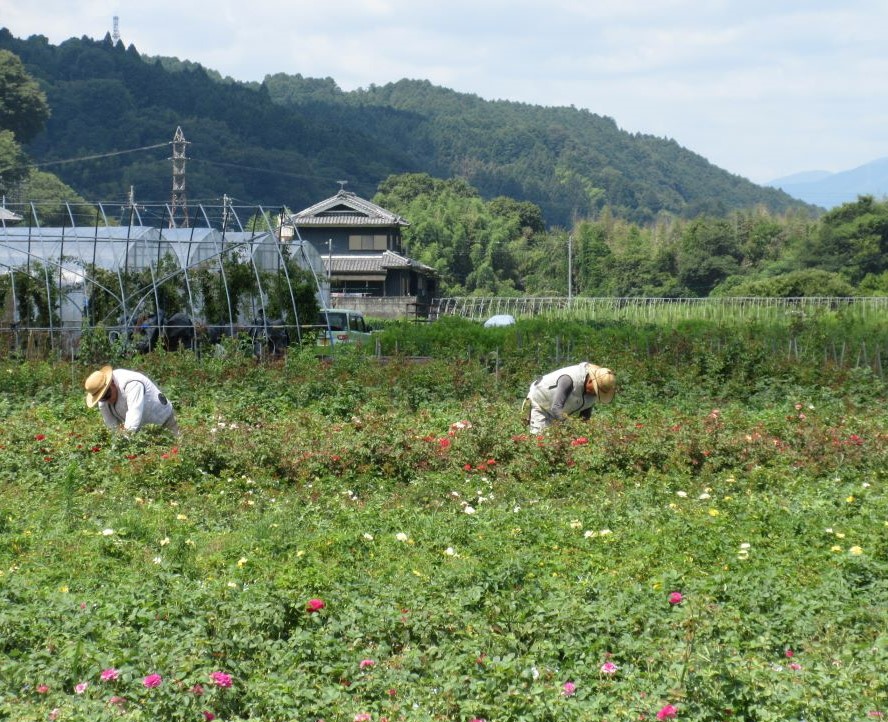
(569, 266)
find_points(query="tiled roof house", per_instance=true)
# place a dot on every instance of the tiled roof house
(360, 245)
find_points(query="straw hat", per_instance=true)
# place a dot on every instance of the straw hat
(605, 382)
(97, 384)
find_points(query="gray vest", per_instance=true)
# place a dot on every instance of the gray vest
(542, 392)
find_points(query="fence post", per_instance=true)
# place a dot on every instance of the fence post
(862, 354)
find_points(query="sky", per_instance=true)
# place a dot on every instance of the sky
(763, 89)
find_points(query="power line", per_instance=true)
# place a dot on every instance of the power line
(100, 155)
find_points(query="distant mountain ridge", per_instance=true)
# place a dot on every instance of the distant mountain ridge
(828, 190)
(290, 139)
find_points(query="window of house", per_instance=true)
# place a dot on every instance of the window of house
(368, 242)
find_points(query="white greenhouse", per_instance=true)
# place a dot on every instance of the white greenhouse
(57, 281)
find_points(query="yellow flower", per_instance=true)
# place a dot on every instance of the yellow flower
(714, 512)
(576, 524)
(241, 561)
(63, 589)
(835, 548)
(850, 499)
(181, 517)
(855, 550)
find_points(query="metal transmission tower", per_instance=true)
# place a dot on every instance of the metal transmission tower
(179, 201)
(115, 33)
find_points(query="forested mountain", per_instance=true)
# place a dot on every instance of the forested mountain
(288, 140)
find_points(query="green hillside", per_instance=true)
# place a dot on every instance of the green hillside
(288, 140)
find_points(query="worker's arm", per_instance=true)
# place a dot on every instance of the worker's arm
(563, 388)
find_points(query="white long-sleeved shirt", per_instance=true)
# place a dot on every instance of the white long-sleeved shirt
(139, 402)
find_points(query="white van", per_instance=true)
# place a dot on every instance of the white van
(341, 325)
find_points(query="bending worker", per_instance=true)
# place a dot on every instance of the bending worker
(571, 390)
(128, 400)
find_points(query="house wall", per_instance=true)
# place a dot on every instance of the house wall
(393, 307)
(335, 240)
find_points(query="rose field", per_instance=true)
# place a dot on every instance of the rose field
(378, 538)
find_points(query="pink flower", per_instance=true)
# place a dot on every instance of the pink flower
(119, 702)
(220, 679)
(477, 719)
(109, 675)
(40, 437)
(54, 714)
(667, 712)
(790, 653)
(365, 663)
(42, 689)
(568, 689)
(676, 598)
(363, 717)
(315, 605)
(81, 688)
(208, 716)
(580, 441)
(609, 668)
(197, 690)
(795, 666)
(152, 680)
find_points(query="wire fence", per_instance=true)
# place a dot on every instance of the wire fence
(661, 310)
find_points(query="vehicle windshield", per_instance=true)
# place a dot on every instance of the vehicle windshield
(337, 321)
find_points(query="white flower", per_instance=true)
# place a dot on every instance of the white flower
(107, 532)
(164, 541)
(157, 560)
(469, 509)
(704, 495)
(682, 494)
(745, 545)
(451, 552)
(368, 536)
(576, 524)
(605, 532)
(589, 533)
(401, 536)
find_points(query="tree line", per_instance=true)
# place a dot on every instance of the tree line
(502, 247)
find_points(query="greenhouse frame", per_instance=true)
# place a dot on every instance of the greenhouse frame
(218, 270)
